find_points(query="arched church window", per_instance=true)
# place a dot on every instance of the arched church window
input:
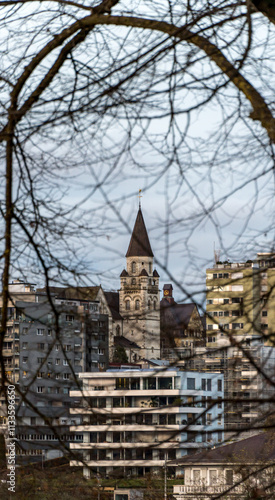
(154, 282)
(133, 267)
(133, 281)
(149, 305)
(118, 330)
(150, 267)
(137, 305)
(149, 281)
(127, 305)
(155, 305)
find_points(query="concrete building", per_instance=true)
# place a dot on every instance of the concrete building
(135, 420)
(45, 348)
(240, 325)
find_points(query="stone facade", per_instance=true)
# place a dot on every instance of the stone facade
(139, 299)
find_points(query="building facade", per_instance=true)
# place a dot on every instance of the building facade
(139, 302)
(45, 348)
(240, 323)
(135, 420)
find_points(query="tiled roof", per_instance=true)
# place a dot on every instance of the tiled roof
(122, 341)
(112, 299)
(176, 314)
(143, 272)
(77, 293)
(139, 244)
(254, 449)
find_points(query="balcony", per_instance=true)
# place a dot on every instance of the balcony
(206, 489)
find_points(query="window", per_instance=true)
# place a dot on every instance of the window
(40, 388)
(66, 376)
(25, 359)
(219, 402)
(190, 383)
(137, 305)
(220, 313)
(264, 313)
(209, 327)
(150, 267)
(209, 385)
(133, 267)
(209, 301)
(219, 385)
(196, 475)
(237, 326)
(67, 347)
(69, 318)
(101, 351)
(149, 305)
(57, 347)
(40, 360)
(57, 361)
(24, 345)
(226, 301)
(39, 374)
(203, 384)
(155, 305)
(212, 477)
(133, 281)
(50, 333)
(40, 346)
(25, 374)
(40, 331)
(229, 476)
(127, 305)
(65, 362)
(209, 418)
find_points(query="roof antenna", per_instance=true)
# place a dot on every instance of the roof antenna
(139, 196)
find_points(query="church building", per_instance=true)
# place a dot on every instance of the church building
(139, 299)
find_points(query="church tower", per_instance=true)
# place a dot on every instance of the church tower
(139, 301)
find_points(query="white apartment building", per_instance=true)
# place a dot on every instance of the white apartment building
(134, 420)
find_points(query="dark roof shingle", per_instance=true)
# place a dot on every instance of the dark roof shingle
(139, 245)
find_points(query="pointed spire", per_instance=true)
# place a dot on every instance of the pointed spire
(139, 244)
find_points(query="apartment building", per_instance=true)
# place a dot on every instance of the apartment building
(132, 421)
(240, 323)
(44, 350)
(233, 304)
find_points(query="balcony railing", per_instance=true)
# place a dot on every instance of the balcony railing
(207, 489)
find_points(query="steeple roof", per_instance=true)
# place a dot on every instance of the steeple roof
(139, 244)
